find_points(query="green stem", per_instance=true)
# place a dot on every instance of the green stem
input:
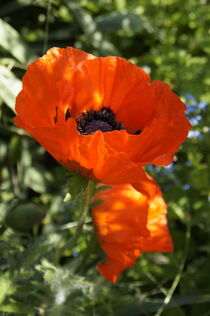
(178, 275)
(89, 248)
(84, 209)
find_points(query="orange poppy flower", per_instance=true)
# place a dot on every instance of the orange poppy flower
(127, 224)
(101, 117)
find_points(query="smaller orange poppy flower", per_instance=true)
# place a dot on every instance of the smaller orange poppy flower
(127, 224)
(101, 117)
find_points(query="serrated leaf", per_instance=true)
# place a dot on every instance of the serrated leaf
(62, 282)
(10, 86)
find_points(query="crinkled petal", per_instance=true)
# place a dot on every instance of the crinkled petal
(66, 82)
(104, 82)
(121, 224)
(128, 223)
(159, 239)
(36, 103)
(166, 131)
(90, 155)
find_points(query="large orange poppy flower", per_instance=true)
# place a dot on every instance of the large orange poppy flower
(101, 117)
(127, 224)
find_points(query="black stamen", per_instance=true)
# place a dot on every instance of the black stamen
(67, 115)
(138, 132)
(91, 121)
(56, 113)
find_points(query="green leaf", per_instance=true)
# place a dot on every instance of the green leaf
(62, 282)
(89, 27)
(6, 287)
(10, 86)
(14, 149)
(37, 178)
(16, 307)
(3, 150)
(120, 4)
(11, 41)
(141, 308)
(76, 185)
(109, 23)
(25, 216)
(103, 188)
(96, 203)
(123, 20)
(36, 249)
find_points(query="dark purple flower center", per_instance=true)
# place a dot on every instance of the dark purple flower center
(98, 125)
(102, 120)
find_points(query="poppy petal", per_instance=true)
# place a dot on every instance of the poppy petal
(120, 227)
(66, 82)
(103, 81)
(36, 103)
(127, 223)
(164, 160)
(159, 239)
(90, 155)
(167, 130)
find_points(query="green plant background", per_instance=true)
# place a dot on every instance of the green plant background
(44, 268)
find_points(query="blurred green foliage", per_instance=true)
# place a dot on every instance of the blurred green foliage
(44, 269)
